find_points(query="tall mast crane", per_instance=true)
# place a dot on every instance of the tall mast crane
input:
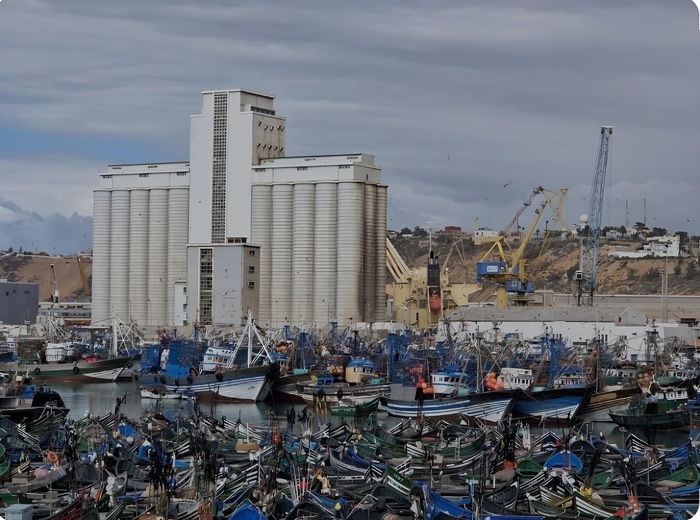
(588, 267)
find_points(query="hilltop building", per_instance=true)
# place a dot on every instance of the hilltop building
(657, 247)
(240, 228)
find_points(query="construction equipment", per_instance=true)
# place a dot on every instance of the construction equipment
(83, 277)
(396, 265)
(507, 270)
(588, 267)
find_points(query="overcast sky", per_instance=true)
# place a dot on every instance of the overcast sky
(455, 99)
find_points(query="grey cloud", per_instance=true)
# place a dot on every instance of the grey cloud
(510, 90)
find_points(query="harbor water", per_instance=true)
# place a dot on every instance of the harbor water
(99, 399)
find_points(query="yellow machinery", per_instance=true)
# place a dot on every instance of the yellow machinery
(506, 267)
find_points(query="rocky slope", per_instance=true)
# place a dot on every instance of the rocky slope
(553, 268)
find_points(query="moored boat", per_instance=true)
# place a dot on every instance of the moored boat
(663, 408)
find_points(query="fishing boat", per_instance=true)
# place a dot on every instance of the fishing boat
(486, 407)
(251, 381)
(356, 409)
(68, 363)
(159, 392)
(663, 408)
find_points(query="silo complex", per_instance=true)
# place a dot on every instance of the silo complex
(327, 252)
(309, 232)
(140, 222)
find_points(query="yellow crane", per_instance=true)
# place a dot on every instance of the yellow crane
(508, 269)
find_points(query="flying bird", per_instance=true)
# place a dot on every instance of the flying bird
(448, 157)
(506, 184)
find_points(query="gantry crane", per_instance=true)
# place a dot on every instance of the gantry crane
(508, 271)
(588, 267)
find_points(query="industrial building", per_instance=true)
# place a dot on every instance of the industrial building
(140, 222)
(19, 302)
(320, 223)
(240, 228)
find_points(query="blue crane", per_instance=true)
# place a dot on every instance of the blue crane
(588, 268)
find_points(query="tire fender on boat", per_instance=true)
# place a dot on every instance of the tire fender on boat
(76, 370)
(37, 371)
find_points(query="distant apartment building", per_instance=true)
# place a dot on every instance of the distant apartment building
(452, 231)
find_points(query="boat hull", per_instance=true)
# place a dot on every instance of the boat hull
(667, 420)
(556, 406)
(489, 408)
(598, 405)
(246, 385)
(100, 371)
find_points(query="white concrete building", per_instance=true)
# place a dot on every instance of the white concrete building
(320, 223)
(235, 130)
(140, 219)
(224, 279)
(657, 247)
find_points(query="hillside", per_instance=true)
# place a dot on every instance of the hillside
(554, 268)
(37, 269)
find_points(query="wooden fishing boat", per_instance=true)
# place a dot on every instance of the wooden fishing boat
(356, 409)
(663, 410)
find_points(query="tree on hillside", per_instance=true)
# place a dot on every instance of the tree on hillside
(419, 232)
(683, 236)
(406, 231)
(658, 232)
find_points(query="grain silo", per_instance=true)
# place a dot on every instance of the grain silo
(119, 255)
(101, 228)
(281, 279)
(178, 222)
(261, 235)
(325, 252)
(138, 252)
(302, 255)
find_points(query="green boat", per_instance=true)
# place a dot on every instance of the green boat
(664, 409)
(355, 410)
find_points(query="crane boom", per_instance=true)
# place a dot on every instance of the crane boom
(587, 274)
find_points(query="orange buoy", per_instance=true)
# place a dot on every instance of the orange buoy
(52, 457)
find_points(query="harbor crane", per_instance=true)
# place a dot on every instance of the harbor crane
(508, 269)
(588, 266)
